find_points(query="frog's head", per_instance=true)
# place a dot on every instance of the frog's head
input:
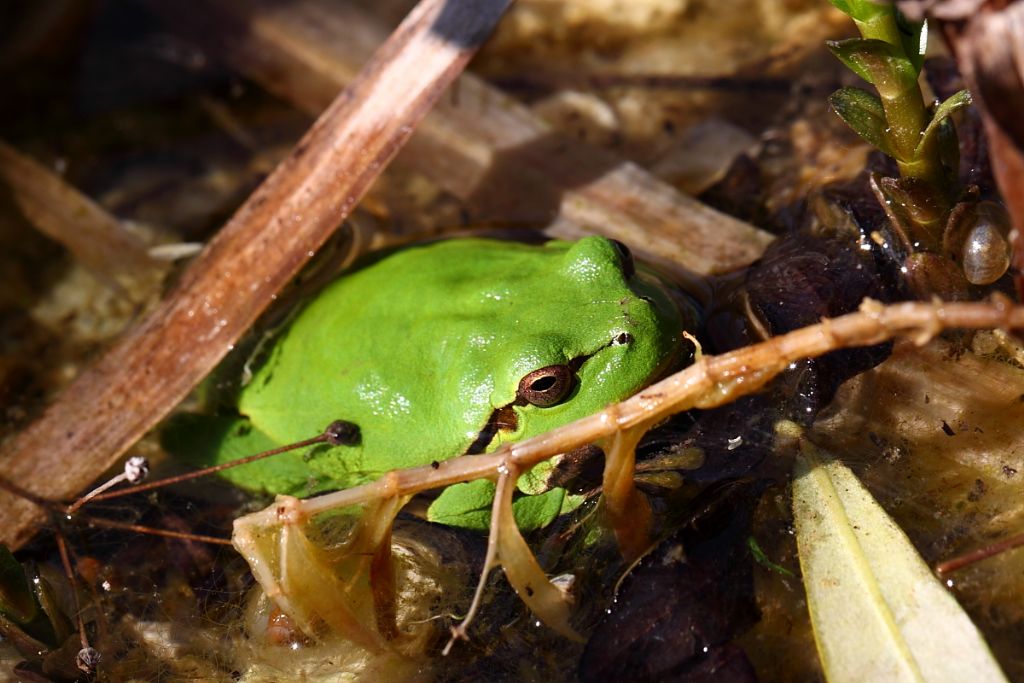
(576, 330)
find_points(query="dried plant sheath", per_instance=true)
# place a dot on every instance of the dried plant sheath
(94, 237)
(479, 144)
(153, 367)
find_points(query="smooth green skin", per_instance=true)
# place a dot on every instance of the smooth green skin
(421, 346)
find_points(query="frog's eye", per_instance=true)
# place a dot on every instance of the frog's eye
(546, 386)
(625, 258)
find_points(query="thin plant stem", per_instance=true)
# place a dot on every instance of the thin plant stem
(69, 573)
(188, 476)
(978, 555)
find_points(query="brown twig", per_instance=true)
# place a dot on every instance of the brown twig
(195, 474)
(153, 367)
(152, 531)
(69, 573)
(961, 561)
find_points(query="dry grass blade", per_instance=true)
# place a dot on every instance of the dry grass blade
(154, 366)
(482, 146)
(95, 238)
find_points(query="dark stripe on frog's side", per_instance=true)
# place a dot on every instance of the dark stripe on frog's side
(503, 418)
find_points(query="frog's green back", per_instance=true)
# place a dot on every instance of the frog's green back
(420, 347)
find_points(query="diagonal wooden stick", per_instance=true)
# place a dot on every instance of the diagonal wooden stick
(154, 366)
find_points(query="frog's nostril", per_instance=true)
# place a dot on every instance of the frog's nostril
(622, 338)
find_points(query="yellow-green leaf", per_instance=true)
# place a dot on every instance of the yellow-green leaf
(863, 112)
(878, 612)
(954, 103)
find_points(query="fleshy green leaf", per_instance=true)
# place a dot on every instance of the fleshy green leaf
(949, 148)
(910, 200)
(845, 51)
(863, 112)
(22, 618)
(955, 102)
(16, 599)
(878, 612)
(877, 62)
(859, 10)
(913, 36)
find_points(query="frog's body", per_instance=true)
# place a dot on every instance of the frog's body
(424, 350)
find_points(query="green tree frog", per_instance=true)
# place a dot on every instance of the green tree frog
(444, 349)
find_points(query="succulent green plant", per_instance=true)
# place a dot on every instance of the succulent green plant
(889, 55)
(24, 617)
(946, 240)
